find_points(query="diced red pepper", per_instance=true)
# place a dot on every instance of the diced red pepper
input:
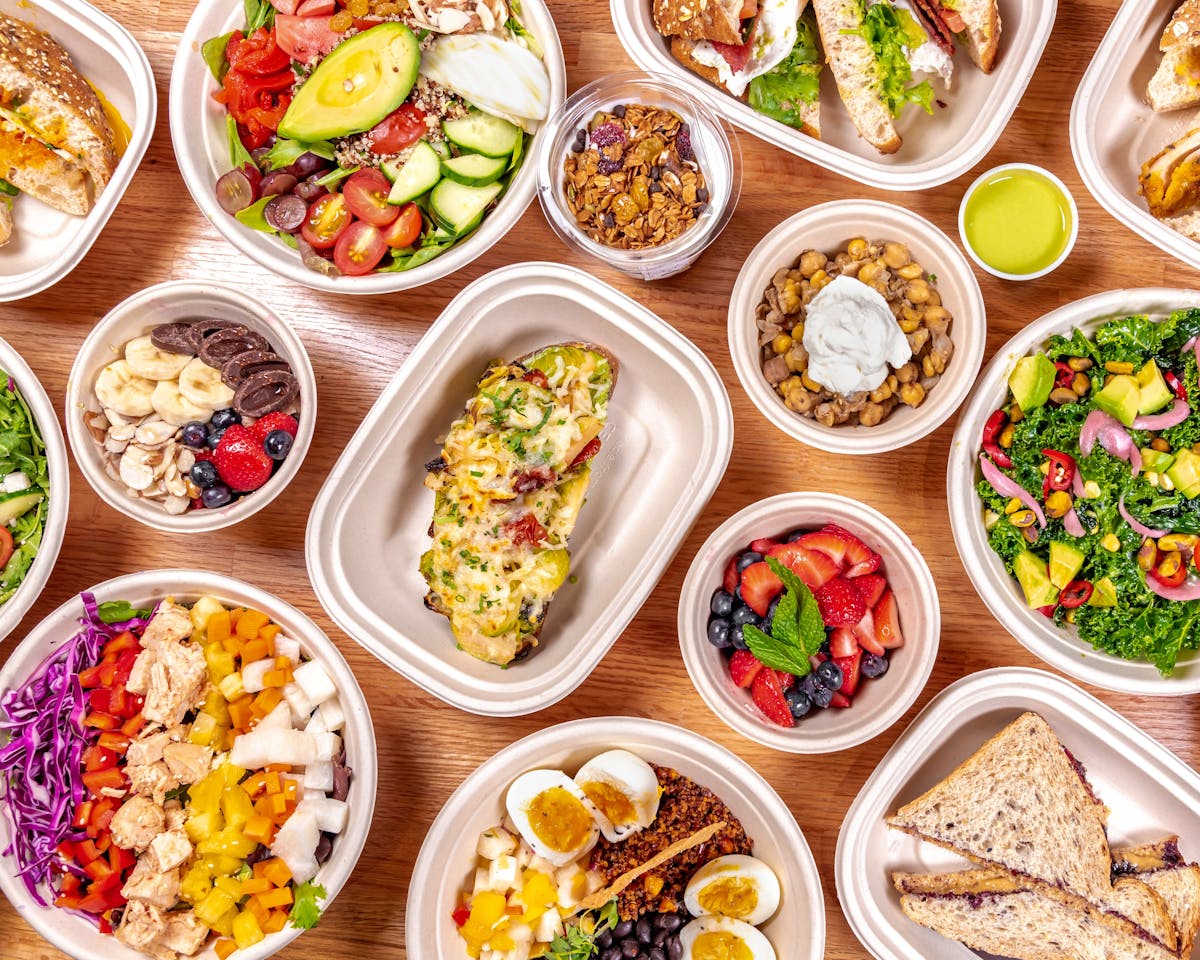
(103, 811)
(82, 813)
(1061, 474)
(125, 664)
(98, 902)
(70, 884)
(90, 677)
(66, 850)
(108, 672)
(100, 699)
(120, 643)
(134, 724)
(97, 780)
(101, 721)
(461, 915)
(86, 851)
(113, 741)
(98, 758)
(120, 858)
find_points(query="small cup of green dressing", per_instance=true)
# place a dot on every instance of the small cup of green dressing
(1018, 222)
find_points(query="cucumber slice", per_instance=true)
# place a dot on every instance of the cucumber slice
(391, 170)
(474, 169)
(12, 505)
(459, 208)
(483, 133)
(418, 175)
(518, 153)
(441, 148)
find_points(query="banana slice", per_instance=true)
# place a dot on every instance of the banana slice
(174, 407)
(119, 388)
(202, 385)
(146, 360)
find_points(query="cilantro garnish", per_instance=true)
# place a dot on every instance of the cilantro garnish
(797, 630)
(578, 942)
(305, 913)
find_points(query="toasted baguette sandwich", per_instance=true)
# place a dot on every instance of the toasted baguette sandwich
(1176, 82)
(973, 23)
(55, 141)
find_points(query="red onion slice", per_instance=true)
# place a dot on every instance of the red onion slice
(1181, 594)
(1113, 437)
(1078, 485)
(1179, 412)
(1073, 525)
(1006, 486)
(1137, 527)
(1090, 429)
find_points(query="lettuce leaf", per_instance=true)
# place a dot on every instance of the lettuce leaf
(888, 33)
(786, 89)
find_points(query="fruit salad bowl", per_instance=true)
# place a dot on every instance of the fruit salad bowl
(248, 471)
(869, 608)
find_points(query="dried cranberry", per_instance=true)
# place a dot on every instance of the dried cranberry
(609, 166)
(683, 143)
(607, 134)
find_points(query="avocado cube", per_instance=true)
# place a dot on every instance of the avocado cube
(1031, 573)
(1031, 381)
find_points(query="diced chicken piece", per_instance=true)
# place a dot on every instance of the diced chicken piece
(188, 762)
(139, 676)
(176, 814)
(287, 647)
(151, 885)
(317, 685)
(171, 849)
(177, 679)
(296, 844)
(146, 749)
(185, 933)
(178, 733)
(141, 924)
(319, 776)
(137, 823)
(258, 748)
(152, 780)
(170, 624)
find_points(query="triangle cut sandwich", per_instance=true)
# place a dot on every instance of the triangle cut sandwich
(1176, 82)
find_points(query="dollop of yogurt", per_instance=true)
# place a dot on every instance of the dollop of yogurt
(851, 337)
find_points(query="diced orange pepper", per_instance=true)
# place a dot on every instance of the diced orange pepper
(132, 727)
(262, 808)
(255, 650)
(250, 622)
(267, 701)
(276, 871)
(240, 712)
(277, 768)
(260, 829)
(269, 632)
(276, 921)
(274, 781)
(277, 678)
(253, 885)
(223, 948)
(252, 906)
(218, 626)
(232, 644)
(291, 788)
(279, 805)
(255, 784)
(279, 897)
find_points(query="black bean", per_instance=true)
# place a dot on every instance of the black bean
(660, 937)
(670, 921)
(644, 933)
(656, 953)
(604, 939)
(675, 950)
(622, 930)
(630, 948)
(614, 953)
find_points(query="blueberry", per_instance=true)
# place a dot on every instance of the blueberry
(195, 434)
(216, 496)
(204, 474)
(278, 444)
(825, 646)
(822, 696)
(721, 603)
(718, 633)
(771, 609)
(214, 437)
(737, 637)
(830, 674)
(746, 559)
(874, 666)
(743, 614)
(798, 702)
(226, 418)
(795, 535)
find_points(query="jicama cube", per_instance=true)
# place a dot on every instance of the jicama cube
(319, 776)
(495, 842)
(502, 874)
(279, 718)
(549, 926)
(482, 879)
(332, 714)
(314, 681)
(287, 647)
(316, 722)
(260, 747)
(298, 700)
(253, 674)
(331, 814)
(329, 745)
(296, 844)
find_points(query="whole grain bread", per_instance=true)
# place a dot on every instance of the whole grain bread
(41, 173)
(719, 20)
(1161, 867)
(1176, 82)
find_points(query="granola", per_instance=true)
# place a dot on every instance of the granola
(631, 178)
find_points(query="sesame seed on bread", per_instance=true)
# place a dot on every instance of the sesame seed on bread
(718, 20)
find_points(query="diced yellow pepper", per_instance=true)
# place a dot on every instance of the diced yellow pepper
(236, 806)
(213, 907)
(229, 842)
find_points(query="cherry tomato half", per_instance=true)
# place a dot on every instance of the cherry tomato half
(399, 129)
(405, 229)
(359, 249)
(327, 219)
(6, 546)
(366, 194)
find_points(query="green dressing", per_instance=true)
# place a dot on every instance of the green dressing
(1018, 221)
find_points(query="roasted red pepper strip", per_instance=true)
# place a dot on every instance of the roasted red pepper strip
(1061, 473)
(590, 449)
(1076, 594)
(257, 54)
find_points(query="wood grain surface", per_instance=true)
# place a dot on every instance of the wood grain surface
(426, 748)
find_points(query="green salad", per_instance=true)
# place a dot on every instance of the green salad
(24, 488)
(1091, 484)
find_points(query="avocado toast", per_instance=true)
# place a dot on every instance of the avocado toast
(511, 478)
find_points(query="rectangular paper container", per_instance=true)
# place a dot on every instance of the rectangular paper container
(1113, 129)
(1150, 792)
(936, 149)
(666, 446)
(46, 244)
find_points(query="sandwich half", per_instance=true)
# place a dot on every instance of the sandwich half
(973, 23)
(1176, 82)
(1163, 869)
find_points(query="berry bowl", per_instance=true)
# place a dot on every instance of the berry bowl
(850, 625)
(190, 407)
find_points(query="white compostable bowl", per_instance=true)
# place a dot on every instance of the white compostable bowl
(878, 703)
(446, 863)
(78, 937)
(55, 526)
(138, 315)
(828, 227)
(1061, 648)
(48, 244)
(198, 133)
(936, 150)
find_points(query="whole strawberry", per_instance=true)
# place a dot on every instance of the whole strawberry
(241, 461)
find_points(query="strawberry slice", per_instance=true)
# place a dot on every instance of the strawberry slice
(887, 622)
(864, 633)
(839, 700)
(859, 557)
(843, 643)
(833, 546)
(763, 545)
(840, 603)
(730, 579)
(760, 586)
(767, 693)
(786, 680)
(871, 586)
(863, 567)
(814, 568)
(743, 668)
(851, 671)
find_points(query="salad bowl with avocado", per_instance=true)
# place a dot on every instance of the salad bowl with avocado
(1074, 489)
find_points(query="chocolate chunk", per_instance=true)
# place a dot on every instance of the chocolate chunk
(252, 361)
(182, 336)
(264, 392)
(210, 325)
(221, 347)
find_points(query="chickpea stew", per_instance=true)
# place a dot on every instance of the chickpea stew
(786, 322)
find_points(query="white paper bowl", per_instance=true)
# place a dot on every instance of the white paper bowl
(47, 244)
(199, 136)
(79, 938)
(1061, 648)
(827, 227)
(878, 703)
(39, 572)
(446, 862)
(138, 315)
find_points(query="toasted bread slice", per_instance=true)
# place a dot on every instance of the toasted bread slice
(1176, 83)
(719, 20)
(982, 35)
(41, 173)
(857, 72)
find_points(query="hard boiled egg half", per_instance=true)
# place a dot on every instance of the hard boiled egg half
(552, 815)
(723, 938)
(736, 886)
(624, 790)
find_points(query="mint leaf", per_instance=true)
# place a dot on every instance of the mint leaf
(785, 626)
(776, 654)
(812, 627)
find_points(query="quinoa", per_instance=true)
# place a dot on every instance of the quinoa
(684, 808)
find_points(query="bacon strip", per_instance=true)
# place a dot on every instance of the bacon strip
(929, 12)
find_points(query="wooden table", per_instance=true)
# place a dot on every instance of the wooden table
(426, 748)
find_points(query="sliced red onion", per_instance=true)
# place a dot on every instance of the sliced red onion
(1139, 528)
(1113, 437)
(1089, 430)
(1006, 486)
(1188, 346)
(1077, 485)
(1073, 525)
(1179, 412)
(1181, 594)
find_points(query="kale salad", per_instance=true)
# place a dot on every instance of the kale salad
(24, 488)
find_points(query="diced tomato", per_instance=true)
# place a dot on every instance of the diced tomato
(6, 545)
(97, 780)
(526, 530)
(590, 449)
(536, 377)
(399, 129)
(304, 38)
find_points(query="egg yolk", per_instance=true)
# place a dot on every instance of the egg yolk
(720, 945)
(559, 820)
(729, 897)
(611, 802)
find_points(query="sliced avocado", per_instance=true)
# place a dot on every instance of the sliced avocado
(1031, 381)
(363, 80)
(12, 505)
(1155, 461)
(1184, 473)
(1104, 594)
(1121, 398)
(1031, 573)
(1066, 560)
(1155, 394)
